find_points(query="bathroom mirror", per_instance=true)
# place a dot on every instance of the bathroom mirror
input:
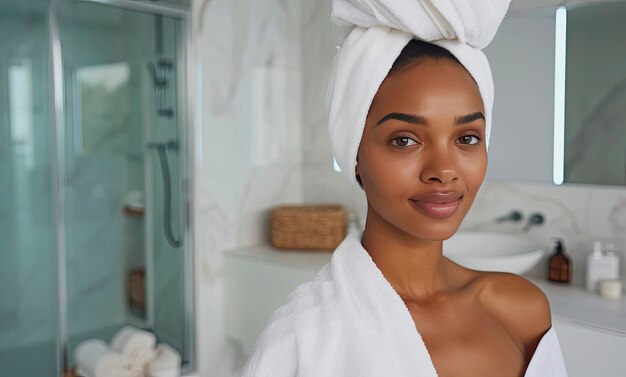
(522, 61)
(595, 95)
(560, 84)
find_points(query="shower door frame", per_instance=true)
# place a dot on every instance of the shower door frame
(58, 161)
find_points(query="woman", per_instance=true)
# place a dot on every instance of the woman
(390, 303)
(421, 162)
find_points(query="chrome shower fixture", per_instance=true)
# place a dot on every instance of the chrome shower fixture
(159, 73)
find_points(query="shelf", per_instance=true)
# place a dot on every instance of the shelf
(303, 259)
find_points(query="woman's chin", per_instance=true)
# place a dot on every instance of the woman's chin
(441, 232)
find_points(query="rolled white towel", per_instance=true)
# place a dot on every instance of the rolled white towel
(94, 358)
(166, 364)
(137, 346)
(380, 31)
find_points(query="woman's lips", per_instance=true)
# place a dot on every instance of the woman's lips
(439, 205)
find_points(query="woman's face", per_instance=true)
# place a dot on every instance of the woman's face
(422, 157)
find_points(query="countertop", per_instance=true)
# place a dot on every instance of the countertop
(568, 303)
(577, 305)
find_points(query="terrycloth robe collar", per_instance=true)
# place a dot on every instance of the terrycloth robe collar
(355, 270)
(349, 321)
(365, 285)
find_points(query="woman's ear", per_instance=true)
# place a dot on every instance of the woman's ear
(357, 174)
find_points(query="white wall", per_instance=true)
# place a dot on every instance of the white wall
(522, 61)
(321, 183)
(247, 69)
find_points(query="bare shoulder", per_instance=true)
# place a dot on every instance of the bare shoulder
(518, 303)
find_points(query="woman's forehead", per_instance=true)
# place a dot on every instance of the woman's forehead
(428, 85)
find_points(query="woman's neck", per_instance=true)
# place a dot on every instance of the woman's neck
(415, 268)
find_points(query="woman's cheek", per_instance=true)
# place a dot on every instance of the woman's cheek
(475, 170)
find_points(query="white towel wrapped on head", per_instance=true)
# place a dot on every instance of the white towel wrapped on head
(471, 22)
(382, 28)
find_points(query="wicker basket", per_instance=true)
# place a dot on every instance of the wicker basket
(320, 227)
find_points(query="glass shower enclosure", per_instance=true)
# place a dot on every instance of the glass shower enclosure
(94, 178)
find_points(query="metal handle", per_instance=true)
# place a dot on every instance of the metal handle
(162, 148)
(536, 218)
(514, 216)
(170, 144)
(158, 72)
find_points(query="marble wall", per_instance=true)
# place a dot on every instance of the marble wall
(322, 184)
(248, 76)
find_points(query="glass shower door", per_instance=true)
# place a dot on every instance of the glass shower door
(124, 213)
(164, 174)
(28, 263)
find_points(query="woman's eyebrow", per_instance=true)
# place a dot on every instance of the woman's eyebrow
(421, 121)
(469, 118)
(409, 118)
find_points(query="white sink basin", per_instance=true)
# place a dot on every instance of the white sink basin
(487, 251)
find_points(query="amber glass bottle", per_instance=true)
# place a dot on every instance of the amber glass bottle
(559, 265)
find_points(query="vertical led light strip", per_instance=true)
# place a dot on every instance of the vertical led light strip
(559, 95)
(336, 165)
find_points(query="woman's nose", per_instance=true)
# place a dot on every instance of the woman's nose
(438, 167)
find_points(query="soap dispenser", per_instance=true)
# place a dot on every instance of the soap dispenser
(559, 264)
(601, 266)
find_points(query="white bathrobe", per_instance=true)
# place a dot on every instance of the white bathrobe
(349, 321)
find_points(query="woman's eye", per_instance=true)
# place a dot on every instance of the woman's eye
(402, 141)
(469, 139)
